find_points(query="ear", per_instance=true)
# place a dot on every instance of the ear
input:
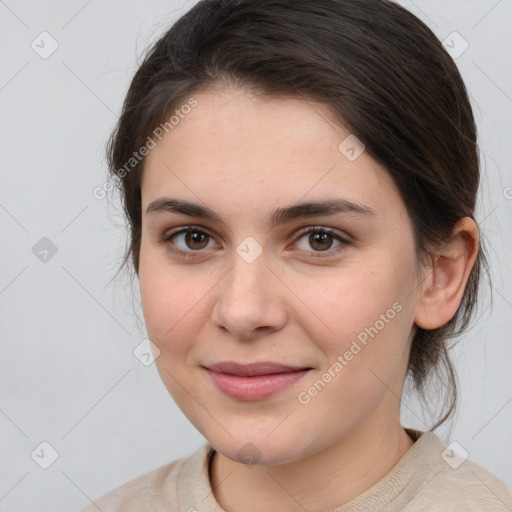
(442, 291)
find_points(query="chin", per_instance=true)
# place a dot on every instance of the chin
(258, 452)
(259, 448)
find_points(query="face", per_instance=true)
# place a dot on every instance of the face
(323, 298)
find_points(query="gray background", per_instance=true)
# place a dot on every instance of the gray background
(68, 375)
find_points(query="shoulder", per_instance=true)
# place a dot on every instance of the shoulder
(456, 483)
(157, 486)
(474, 487)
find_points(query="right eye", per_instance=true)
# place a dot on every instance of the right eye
(192, 238)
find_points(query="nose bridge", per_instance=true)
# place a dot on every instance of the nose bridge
(248, 300)
(248, 273)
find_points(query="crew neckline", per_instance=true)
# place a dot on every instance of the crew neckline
(195, 492)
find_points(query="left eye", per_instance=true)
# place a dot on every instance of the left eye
(321, 239)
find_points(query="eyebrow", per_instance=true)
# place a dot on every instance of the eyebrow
(277, 217)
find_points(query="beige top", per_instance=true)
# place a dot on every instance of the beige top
(427, 478)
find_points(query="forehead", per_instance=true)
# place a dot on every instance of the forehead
(245, 151)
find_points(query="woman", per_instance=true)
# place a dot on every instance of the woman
(300, 182)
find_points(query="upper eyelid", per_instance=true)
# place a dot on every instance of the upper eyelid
(183, 229)
(299, 233)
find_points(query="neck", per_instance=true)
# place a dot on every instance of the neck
(324, 481)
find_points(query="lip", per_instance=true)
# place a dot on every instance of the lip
(254, 381)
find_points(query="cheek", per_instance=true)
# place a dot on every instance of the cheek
(363, 338)
(170, 307)
(361, 323)
(170, 301)
(341, 306)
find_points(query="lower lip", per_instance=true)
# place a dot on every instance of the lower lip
(257, 387)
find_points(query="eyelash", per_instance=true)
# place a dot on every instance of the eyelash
(166, 240)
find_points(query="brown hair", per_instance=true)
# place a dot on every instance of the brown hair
(383, 74)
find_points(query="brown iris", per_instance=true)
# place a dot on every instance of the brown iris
(193, 237)
(317, 240)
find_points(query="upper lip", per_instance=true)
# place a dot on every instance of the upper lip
(249, 370)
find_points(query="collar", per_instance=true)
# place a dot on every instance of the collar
(195, 493)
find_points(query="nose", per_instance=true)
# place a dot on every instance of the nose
(250, 300)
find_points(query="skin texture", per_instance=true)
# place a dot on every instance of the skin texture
(243, 156)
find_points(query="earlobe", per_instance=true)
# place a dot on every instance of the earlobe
(442, 291)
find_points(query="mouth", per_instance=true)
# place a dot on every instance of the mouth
(254, 381)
